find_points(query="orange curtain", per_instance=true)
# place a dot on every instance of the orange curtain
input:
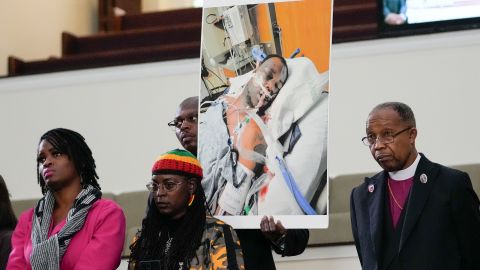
(306, 25)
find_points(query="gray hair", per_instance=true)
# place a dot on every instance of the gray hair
(402, 109)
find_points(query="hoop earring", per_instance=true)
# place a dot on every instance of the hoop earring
(190, 201)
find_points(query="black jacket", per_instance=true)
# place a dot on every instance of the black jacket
(5, 247)
(441, 228)
(257, 250)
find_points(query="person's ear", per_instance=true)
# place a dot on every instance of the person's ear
(413, 135)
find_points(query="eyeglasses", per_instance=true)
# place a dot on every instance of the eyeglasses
(168, 186)
(177, 123)
(386, 138)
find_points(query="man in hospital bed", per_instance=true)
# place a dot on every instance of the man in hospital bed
(263, 144)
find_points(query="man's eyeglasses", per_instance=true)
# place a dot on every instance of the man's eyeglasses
(168, 186)
(386, 138)
(177, 123)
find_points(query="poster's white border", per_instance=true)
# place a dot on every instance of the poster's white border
(223, 3)
(289, 221)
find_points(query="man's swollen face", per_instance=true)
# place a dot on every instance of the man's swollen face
(266, 82)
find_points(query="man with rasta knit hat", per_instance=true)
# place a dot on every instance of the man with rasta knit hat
(176, 231)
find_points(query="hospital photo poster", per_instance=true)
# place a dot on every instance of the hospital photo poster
(263, 121)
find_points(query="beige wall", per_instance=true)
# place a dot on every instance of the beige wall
(30, 29)
(437, 75)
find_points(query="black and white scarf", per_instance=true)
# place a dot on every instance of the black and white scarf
(47, 252)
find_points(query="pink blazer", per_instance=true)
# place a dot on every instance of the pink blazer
(98, 245)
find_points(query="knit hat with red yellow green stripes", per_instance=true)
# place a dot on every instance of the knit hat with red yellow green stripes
(179, 162)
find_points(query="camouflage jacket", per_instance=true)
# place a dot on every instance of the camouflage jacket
(219, 250)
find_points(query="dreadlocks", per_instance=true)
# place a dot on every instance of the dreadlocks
(152, 239)
(73, 145)
(7, 216)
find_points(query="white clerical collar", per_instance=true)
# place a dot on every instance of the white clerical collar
(405, 173)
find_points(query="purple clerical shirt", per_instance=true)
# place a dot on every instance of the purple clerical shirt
(398, 193)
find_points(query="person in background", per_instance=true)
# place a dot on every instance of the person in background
(177, 233)
(7, 224)
(71, 227)
(415, 214)
(395, 12)
(256, 244)
(185, 124)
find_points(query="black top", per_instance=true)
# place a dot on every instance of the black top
(391, 238)
(5, 247)
(257, 249)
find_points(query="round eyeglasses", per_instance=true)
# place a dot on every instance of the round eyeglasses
(386, 138)
(177, 123)
(168, 186)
